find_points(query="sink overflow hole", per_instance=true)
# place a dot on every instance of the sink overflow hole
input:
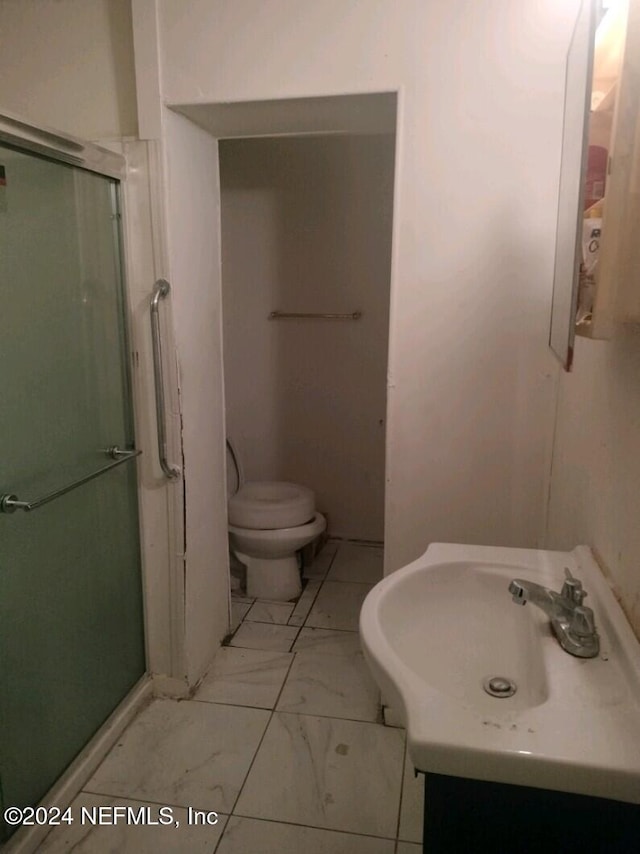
(499, 686)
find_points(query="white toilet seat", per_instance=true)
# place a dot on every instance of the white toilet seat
(261, 542)
(271, 505)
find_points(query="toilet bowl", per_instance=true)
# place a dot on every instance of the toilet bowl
(270, 557)
(269, 522)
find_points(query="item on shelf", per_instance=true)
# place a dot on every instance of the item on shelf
(591, 234)
(596, 175)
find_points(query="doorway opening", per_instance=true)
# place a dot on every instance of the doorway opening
(304, 193)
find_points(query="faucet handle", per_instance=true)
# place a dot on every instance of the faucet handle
(572, 588)
(583, 624)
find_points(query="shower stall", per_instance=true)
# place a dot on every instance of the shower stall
(71, 611)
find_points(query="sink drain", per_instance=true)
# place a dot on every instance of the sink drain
(499, 686)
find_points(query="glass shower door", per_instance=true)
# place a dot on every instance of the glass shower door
(71, 620)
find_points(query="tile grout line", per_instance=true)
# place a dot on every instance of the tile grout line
(334, 718)
(404, 768)
(268, 623)
(320, 586)
(285, 712)
(273, 711)
(322, 581)
(318, 827)
(355, 541)
(299, 628)
(332, 629)
(313, 602)
(262, 648)
(141, 800)
(255, 755)
(148, 802)
(290, 650)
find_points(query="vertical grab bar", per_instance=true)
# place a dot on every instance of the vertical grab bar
(160, 291)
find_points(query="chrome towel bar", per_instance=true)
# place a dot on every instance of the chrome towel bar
(160, 291)
(278, 315)
(10, 503)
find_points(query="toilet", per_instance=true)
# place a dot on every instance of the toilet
(269, 521)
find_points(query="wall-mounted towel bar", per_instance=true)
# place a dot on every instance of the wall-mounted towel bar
(279, 315)
(10, 503)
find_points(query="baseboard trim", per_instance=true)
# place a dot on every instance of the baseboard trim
(343, 538)
(27, 839)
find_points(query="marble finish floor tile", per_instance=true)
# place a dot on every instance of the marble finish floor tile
(338, 605)
(245, 677)
(240, 597)
(392, 717)
(408, 848)
(270, 612)
(303, 606)
(362, 564)
(238, 613)
(412, 804)
(264, 636)
(327, 641)
(326, 773)
(183, 754)
(320, 566)
(128, 838)
(244, 835)
(337, 683)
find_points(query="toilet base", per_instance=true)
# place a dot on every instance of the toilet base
(272, 578)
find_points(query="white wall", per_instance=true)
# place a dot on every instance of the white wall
(481, 96)
(193, 210)
(161, 500)
(68, 64)
(306, 226)
(595, 495)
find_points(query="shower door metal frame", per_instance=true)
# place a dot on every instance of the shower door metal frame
(138, 207)
(61, 147)
(22, 135)
(41, 142)
(165, 642)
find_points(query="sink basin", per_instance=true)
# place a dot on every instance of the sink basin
(436, 631)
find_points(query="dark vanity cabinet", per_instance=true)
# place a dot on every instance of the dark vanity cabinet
(468, 816)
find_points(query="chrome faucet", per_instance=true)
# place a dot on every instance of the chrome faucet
(572, 622)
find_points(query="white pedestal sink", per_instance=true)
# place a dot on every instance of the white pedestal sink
(433, 631)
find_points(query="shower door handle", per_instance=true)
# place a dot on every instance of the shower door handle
(160, 291)
(10, 503)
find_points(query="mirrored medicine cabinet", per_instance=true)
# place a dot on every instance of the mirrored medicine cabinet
(597, 259)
